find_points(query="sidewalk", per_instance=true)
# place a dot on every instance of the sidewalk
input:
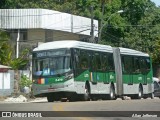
(21, 99)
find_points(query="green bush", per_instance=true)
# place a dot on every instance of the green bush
(25, 81)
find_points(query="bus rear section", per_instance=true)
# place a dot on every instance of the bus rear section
(133, 73)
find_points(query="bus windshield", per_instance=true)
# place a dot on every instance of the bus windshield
(51, 66)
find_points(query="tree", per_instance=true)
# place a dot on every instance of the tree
(6, 54)
(137, 28)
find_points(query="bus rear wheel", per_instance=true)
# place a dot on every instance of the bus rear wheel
(140, 93)
(112, 94)
(151, 95)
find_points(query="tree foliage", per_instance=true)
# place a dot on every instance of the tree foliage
(137, 28)
(6, 54)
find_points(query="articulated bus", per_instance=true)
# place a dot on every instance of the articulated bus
(86, 71)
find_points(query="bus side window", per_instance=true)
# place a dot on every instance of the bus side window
(84, 60)
(148, 64)
(127, 64)
(104, 60)
(93, 65)
(90, 57)
(122, 63)
(110, 62)
(143, 65)
(136, 65)
(98, 61)
(76, 58)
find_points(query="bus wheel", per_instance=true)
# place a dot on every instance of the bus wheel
(112, 95)
(140, 93)
(50, 98)
(86, 95)
(151, 95)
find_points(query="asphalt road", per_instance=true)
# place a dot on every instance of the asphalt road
(90, 110)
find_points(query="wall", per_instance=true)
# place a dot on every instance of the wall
(7, 83)
(59, 35)
(36, 35)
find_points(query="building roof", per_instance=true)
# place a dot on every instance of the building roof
(45, 19)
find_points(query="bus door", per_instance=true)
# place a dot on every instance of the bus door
(81, 65)
(127, 67)
(111, 69)
(105, 69)
(137, 74)
(108, 68)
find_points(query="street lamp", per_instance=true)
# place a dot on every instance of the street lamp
(100, 31)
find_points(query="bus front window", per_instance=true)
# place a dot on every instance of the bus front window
(52, 66)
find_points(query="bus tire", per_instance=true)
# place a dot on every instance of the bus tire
(140, 92)
(50, 98)
(151, 95)
(112, 94)
(86, 95)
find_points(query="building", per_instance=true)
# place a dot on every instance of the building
(27, 27)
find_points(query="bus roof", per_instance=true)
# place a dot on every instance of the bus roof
(85, 45)
(73, 44)
(127, 51)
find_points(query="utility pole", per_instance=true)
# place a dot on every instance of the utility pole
(101, 23)
(92, 26)
(17, 44)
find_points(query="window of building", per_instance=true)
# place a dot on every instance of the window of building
(23, 35)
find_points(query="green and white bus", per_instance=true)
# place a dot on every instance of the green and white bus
(81, 71)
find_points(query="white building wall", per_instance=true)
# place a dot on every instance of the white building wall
(6, 83)
(45, 19)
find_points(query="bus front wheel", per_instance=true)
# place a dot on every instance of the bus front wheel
(86, 95)
(50, 98)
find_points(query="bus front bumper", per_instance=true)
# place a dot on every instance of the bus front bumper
(67, 86)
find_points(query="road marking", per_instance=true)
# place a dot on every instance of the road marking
(85, 118)
(58, 107)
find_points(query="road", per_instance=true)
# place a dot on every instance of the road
(98, 110)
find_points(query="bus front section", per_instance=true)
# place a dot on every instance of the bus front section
(52, 74)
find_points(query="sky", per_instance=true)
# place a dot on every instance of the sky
(157, 2)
